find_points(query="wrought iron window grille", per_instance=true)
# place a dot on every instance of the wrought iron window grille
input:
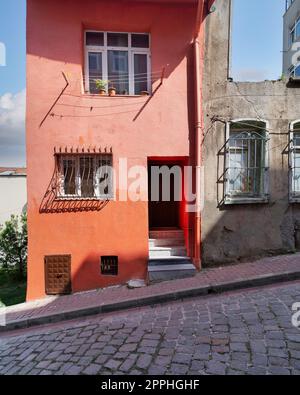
(294, 163)
(246, 166)
(109, 265)
(84, 177)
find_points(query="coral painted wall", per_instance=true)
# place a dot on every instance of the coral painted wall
(135, 127)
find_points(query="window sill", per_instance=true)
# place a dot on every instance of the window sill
(295, 199)
(116, 96)
(246, 200)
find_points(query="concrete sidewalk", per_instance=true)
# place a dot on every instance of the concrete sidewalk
(55, 309)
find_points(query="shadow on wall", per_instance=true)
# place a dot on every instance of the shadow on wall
(238, 232)
(88, 277)
(51, 205)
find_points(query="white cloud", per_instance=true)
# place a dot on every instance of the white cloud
(12, 129)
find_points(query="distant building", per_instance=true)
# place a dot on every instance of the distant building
(291, 36)
(13, 196)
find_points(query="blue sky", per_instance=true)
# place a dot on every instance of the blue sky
(12, 34)
(257, 45)
(257, 39)
(12, 83)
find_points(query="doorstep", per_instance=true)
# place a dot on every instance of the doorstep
(55, 309)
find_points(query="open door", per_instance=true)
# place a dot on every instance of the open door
(163, 214)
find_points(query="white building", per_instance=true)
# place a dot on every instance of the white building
(13, 192)
(291, 39)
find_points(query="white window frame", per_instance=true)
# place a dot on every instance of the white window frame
(294, 196)
(78, 196)
(131, 52)
(292, 32)
(239, 199)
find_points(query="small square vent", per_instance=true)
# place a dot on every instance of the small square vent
(109, 265)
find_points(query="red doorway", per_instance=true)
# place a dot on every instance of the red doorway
(165, 214)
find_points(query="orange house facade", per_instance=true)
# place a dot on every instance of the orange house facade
(116, 85)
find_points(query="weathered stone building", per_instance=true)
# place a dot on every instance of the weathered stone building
(291, 37)
(251, 166)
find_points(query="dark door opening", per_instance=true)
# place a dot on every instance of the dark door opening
(163, 214)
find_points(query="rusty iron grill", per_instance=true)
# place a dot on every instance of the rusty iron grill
(295, 164)
(245, 167)
(109, 265)
(88, 176)
(58, 274)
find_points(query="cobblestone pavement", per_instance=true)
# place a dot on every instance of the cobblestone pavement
(244, 332)
(269, 266)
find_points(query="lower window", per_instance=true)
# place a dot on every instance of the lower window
(109, 265)
(246, 162)
(295, 162)
(85, 176)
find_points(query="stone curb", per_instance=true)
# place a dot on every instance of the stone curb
(217, 288)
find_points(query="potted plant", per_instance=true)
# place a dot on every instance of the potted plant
(101, 85)
(112, 91)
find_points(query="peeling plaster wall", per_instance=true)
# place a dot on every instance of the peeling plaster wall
(233, 233)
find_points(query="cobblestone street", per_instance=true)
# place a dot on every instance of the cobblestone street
(243, 332)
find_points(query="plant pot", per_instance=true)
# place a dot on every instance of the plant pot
(102, 92)
(112, 91)
(144, 93)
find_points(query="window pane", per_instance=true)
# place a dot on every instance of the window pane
(104, 176)
(296, 138)
(238, 163)
(292, 37)
(140, 73)
(117, 40)
(140, 40)
(87, 177)
(297, 30)
(297, 71)
(246, 163)
(95, 69)
(94, 38)
(118, 71)
(296, 176)
(69, 177)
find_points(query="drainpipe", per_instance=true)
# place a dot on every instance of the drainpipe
(199, 59)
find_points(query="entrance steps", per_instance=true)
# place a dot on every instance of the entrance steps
(168, 258)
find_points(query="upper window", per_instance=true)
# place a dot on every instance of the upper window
(246, 162)
(85, 176)
(295, 161)
(117, 60)
(294, 32)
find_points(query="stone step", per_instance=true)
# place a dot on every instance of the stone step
(167, 261)
(165, 252)
(166, 242)
(170, 269)
(167, 234)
